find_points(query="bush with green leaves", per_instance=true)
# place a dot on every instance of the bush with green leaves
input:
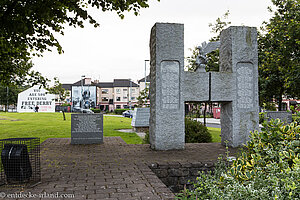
(268, 168)
(196, 132)
(262, 117)
(95, 110)
(119, 111)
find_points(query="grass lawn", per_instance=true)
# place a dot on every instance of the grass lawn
(215, 133)
(52, 125)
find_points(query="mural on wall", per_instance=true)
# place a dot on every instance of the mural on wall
(36, 99)
(83, 97)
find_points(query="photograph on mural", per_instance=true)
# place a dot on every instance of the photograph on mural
(83, 97)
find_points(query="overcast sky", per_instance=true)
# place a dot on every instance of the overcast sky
(118, 48)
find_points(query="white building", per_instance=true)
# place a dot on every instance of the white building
(36, 96)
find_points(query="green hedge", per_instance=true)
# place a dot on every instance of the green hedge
(119, 111)
(262, 117)
(268, 168)
(95, 110)
(196, 132)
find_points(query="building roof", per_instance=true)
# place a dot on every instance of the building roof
(67, 86)
(105, 84)
(143, 79)
(124, 83)
(116, 83)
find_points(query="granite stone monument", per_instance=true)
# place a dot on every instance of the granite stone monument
(235, 86)
(140, 119)
(86, 128)
(282, 115)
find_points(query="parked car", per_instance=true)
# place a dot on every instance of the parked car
(80, 110)
(128, 113)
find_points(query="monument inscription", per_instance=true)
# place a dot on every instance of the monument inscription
(86, 128)
(245, 85)
(170, 84)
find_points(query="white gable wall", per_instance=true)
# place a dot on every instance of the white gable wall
(28, 99)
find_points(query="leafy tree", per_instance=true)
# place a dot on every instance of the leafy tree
(143, 97)
(27, 29)
(279, 53)
(213, 57)
(9, 94)
(60, 91)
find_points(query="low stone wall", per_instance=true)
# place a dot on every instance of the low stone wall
(141, 129)
(177, 175)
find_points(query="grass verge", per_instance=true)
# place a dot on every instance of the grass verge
(215, 133)
(52, 125)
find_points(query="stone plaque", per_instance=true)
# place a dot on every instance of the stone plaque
(282, 115)
(86, 128)
(170, 85)
(141, 117)
(245, 86)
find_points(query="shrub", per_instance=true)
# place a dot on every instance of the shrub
(119, 111)
(146, 140)
(296, 116)
(95, 110)
(196, 132)
(262, 117)
(268, 168)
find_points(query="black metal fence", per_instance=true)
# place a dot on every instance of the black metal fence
(20, 161)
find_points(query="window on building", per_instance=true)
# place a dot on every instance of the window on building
(118, 99)
(132, 98)
(118, 91)
(118, 106)
(124, 90)
(104, 99)
(132, 90)
(104, 91)
(125, 97)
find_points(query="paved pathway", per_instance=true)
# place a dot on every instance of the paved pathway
(113, 170)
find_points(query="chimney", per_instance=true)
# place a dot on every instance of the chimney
(87, 81)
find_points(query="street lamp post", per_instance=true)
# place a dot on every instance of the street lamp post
(7, 99)
(81, 100)
(146, 79)
(130, 84)
(145, 72)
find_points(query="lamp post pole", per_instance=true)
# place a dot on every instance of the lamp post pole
(146, 79)
(130, 94)
(7, 99)
(81, 100)
(145, 72)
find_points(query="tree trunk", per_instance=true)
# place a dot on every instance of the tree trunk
(64, 115)
(279, 103)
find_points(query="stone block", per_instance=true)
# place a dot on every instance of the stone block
(282, 115)
(161, 173)
(195, 86)
(140, 117)
(178, 172)
(166, 71)
(86, 128)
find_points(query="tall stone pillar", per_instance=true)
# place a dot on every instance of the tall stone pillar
(166, 101)
(238, 55)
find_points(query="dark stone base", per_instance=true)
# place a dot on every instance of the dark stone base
(176, 176)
